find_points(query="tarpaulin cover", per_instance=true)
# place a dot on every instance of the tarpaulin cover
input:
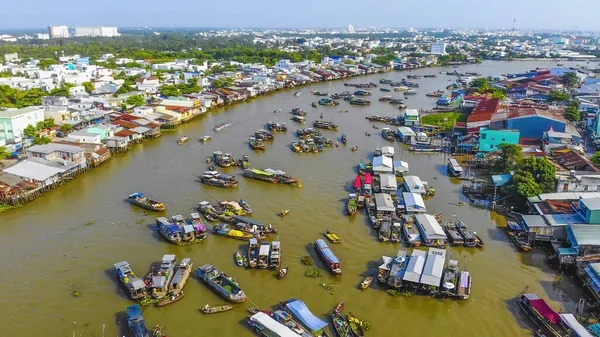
(300, 311)
(542, 307)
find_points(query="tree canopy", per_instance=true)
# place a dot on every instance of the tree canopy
(135, 100)
(510, 155)
(555, 96)
(570, 80)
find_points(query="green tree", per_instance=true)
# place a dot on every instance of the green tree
(89, 87)
(526, 184)
(63, 90)
(499, 93)
(480, 82)
(41, 140)
(509, 158)
(66, 128)
(30, 131)
(570, 80)
(135, 100)
(542, 171)
(596, 159)
(555, 96)
(571, 113)
(3, 153)
(169, 90)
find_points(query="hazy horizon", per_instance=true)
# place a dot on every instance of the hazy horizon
(312, 14)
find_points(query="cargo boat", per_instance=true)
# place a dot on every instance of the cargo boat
(136, 322)
(135, 285)
(269, 175)
(184, 269)
(220, 282)
(328, 257)
(455, 97)
(140, 200)
(158, 281)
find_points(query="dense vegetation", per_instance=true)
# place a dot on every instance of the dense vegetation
(445, 120)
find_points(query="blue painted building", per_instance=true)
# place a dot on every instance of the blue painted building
(489, 140)
(533, 125)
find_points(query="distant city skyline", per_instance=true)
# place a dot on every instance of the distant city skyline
(529, 14)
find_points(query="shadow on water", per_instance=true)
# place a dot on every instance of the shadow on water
(523, 321)
(155, 234)
(496, 234)
(121, 323)
(111, 274)
(245, 325)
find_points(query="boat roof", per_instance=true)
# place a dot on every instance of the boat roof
(413, 200)
(542, 308)
(178, 217)
(430, 227)
(275, 244)
(211, 173)
(163, 220)
(272, 325)
(264, 249)
(172, 228)
(245, 219)
(206, 268)
(253, 241)
(415, 266)
(159, 281)
(434, 267)
(195, 216)
(134, 311)
(307, 318)
(122, 267)
(326, 251)
(387, 181)
(465, 279)
(383, 164)
(414, 184)
(384, 202)
(188, 229)
(138, 284)
(136, 195)
(386, 262)
(570, 321)
(277, 172)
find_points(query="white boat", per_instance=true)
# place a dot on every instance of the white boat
(222, 126)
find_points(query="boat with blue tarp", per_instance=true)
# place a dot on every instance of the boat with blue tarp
(169, 230)
(286, 319)
(333, 263)
(136, 321)
(223, 284)
(135, 285)
(266, 326)
(312, 323)
(397, 270)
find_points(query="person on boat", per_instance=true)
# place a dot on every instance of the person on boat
(206, 307)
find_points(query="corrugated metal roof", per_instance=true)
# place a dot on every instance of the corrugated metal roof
(586, 234)
(434, 266)
(32, 170)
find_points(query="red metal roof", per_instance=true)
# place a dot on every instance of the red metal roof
(124, 124)
(125, 133)
(487, 105)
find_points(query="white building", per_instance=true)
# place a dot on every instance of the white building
(96, 31)
(42, 36)
(85, 137)
(11, 57)
(57, 32)
(350, 29)
(438, 48)
(284, 64)
(13, 122)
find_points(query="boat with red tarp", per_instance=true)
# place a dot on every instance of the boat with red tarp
(545, 318)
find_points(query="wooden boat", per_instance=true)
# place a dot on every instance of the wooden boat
(274, 126)
(223, 160)
(366, 282)
(225, 230)
(438, 93)
(385, 229)
(220, 282)
(296, 147)
(411, 233)
(352, 207)
(239, 259)
(354, 148)
(245, 206)
(214, 178)
(454, 237)
(464, 285)
(205, 139)
(135, 285)
(222, 126)
(171, 298)
(388, 134)
(182, 273)
(515, 232)
(169, 230)
(213, 310)
(271, 176)
(332, 237)
(183, 139)
(255, 311)
(544, 317)
(257, 143)
(297, 93)
(299, 119)
(158, 280)
(275, 255)
(385, 89)
(471, 239)
(355, 326)
(451, 278)
(333, 263)
(344, 139)
(383, 271)
(396, 231)
(263, 255)
(325, 125)
(136, 322)
(139, 200)
(340, 324)
(253, 253)
(284, 212)
(263, 134)
(282, 273)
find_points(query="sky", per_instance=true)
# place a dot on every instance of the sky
(529, 14)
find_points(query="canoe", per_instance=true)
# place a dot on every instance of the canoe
(332, 237)
(183, 139)
(239, 259)
(366, 282)
(340, 324)
(354, 148)
(282, 273)
(284, 212)
(170, 299)
(205, 139)
(255, 311)
(214, 310)
(357, 330)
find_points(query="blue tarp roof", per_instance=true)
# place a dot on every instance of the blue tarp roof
(173, 228)
(136, 321)
(594, 280)
(567, 251)
(307, 318)
(501, 179)
(324, 248)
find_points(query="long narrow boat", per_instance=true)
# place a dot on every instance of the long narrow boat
(312, 323)
(352, 207)
(544, 317)
(471, 238)
(275, 257)
(158, 281)
(515, 232)
(171, 298)
(355, 326)
(328, 257)
(135, 285)
(183, 139)
(222, 126)
(451, 278)
(253, 253)
(214, 310)
(340, 324)
(225, 230)
(139, 200)
(271, 176)
(464, 286)
(168, 230)
(263, 255)
(136, 322)
(214, 178)
(182, 273)
(223, 284)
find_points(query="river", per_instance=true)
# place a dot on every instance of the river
(69, 238)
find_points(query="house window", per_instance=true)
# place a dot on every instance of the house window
(585, 188)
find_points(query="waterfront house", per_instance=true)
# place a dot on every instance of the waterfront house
(590, 276)
(117, 143)
(14, 121)
(82, 136)
(383, 164)
(387, 183)
(433, 269)
(384, 204)
(589, 209)
(58, 152)
(104, 131)
(584, 240)
(431, 231)
(35, 172)
(413, 203)
(413, 184)
(411, 117)
(414, 268)
(406, 134)
(489, 140)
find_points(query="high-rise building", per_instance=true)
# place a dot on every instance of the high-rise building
(438, 48)
(57, 32)
(96, 31)
(350, 29)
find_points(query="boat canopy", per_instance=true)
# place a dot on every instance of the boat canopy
(384, 202)
(136, 321)
(387, 181)
(172, 228)
(300, 310)
(542, 307)
(188, 229)
(570, 321)
(253, 242)
(261, 172)
(264, 250)
(465, 279)
(430, 227)
(159, 281)
(386, 262)
(514, 226)
(326, 251)
(357, 182)
(434, 266)
(413, 201)
(276, 172)
(415, 266)
(383, 164)
(136, 195)
(138, 284)
(245, 219)
(272, 325)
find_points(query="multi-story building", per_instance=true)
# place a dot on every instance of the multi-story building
(438, 48)
(13, 122)
(96, 31)
(57, 32)
(490, 140)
